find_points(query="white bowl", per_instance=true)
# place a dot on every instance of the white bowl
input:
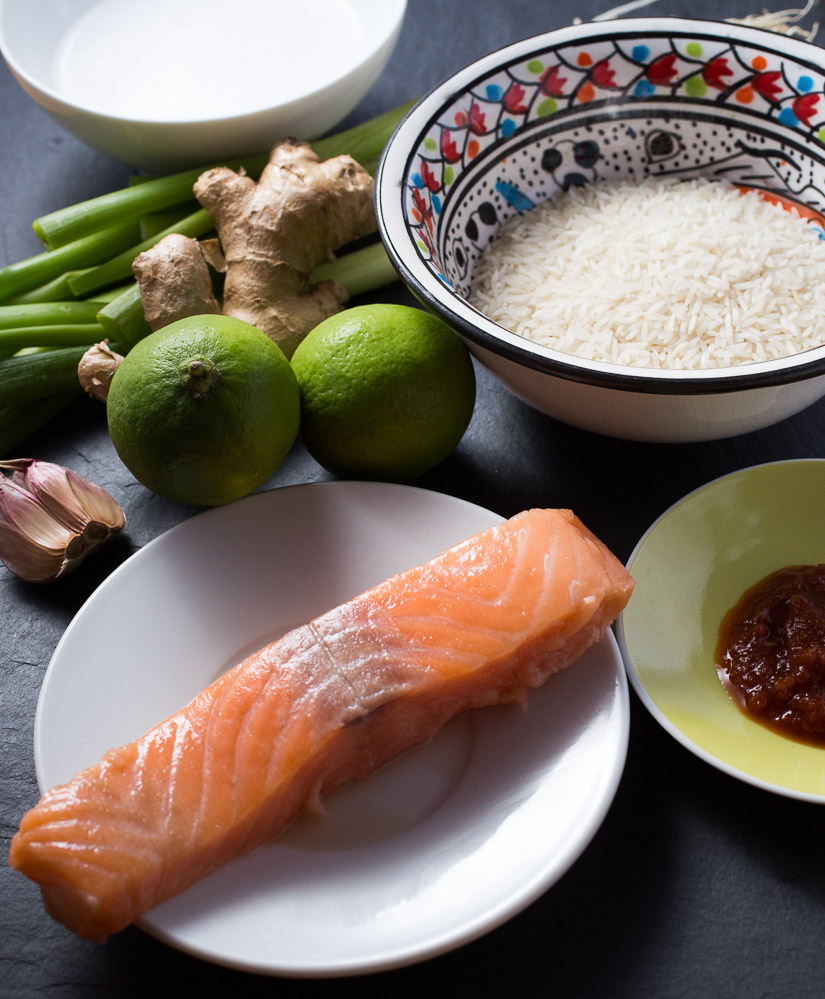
(636, 97)
(297, 70)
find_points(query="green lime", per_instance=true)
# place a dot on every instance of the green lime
(387, 392)
(204, 410)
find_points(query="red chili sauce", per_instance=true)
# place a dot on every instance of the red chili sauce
(771, 652)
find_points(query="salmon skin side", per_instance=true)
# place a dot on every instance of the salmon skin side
(327, 703)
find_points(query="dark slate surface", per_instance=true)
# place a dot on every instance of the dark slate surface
(695, 885)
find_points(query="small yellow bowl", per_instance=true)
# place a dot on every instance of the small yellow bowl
(690, 567)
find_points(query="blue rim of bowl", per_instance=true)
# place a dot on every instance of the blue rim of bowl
(483, 332)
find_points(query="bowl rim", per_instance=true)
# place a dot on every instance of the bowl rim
(487, 335)
(58, 98)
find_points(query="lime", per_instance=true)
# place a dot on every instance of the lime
(204, 410)
(387, 392)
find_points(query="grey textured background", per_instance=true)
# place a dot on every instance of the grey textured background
(696, 885)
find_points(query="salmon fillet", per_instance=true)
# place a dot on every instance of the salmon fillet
(327, 703)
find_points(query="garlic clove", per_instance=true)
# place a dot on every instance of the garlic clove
(70, 498)
(32, 542)
(51, 518)
(31, 562)
(23, 513)
(46, 484)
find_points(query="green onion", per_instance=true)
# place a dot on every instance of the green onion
(68, 224)
(359, 271)
(47, 314)
(68, 335)
(88, 251)
(56, 290)
(364, 142)
(123, 318)
(102, 296)
(120, 267)
(157, 223)
(35, 376)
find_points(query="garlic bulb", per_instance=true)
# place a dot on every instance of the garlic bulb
(51, 518)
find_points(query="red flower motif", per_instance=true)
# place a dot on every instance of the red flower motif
(551, 82)
(767, 85)
(449, 150)
(662, 70)
(804, 107)
(428, 177)
(715, 71)
(424, 210)
(603, 75)
(427, 241)
(475, 119)
(513, 99)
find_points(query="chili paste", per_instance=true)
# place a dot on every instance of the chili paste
(771, 652)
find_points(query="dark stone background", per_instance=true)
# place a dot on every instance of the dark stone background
(695, 885)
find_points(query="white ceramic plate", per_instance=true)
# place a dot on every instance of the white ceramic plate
(434, 850)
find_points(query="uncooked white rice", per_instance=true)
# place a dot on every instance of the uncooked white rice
(658, 273)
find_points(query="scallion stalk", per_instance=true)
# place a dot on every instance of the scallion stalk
(128, 204)
(364, 142)
(27, 377)
(123, 318)
(120, 267)
(66, 335)
(47, 314)
(156, 223)
(56, 290)
(359, 271)
(102, 296)
(24, 275)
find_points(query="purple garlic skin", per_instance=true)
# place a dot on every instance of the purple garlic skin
(51, 518)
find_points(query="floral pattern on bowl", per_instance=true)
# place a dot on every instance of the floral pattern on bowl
(600, 102)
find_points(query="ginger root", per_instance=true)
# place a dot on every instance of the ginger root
(97, 368)
(275, 232)
(175, 280)
(272, 235)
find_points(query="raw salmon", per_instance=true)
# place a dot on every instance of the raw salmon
(327, 703)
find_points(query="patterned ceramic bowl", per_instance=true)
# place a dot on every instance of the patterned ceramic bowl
(601, 101)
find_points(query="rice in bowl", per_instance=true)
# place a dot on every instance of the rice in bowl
(659, 273)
